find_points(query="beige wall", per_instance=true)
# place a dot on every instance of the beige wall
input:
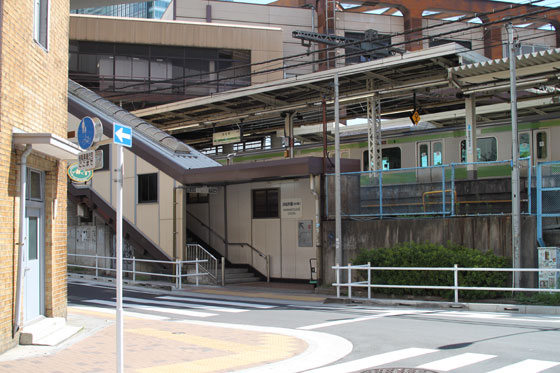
(277, 237)
(265, 43)
(154, 220)
(33, 98)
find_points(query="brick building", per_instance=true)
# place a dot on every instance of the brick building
(33, 125)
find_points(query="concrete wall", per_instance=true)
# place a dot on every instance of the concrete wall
(484, 233)
(33, 94)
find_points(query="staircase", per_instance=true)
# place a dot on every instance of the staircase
(238, 275)
(47, 332)
(233, 274)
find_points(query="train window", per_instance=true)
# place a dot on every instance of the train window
(487, 150)
(423, 160)
(541, 145)
(437, 148)
(524, 145)
(390, 159)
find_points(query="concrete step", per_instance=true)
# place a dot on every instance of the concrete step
(240, 280)
(234, 270)
(47, 332)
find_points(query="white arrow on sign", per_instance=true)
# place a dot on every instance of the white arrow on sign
(121, 135)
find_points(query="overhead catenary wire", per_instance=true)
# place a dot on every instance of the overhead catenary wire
(459, 21)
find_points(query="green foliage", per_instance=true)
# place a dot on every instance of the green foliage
(431, 255)
(547, 299)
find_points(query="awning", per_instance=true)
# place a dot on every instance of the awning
(48, 144)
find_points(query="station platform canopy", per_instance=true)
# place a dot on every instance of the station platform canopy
(433, 81)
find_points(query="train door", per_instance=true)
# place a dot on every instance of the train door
(429, 153)
(541, 140)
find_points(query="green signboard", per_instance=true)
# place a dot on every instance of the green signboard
(77, 175)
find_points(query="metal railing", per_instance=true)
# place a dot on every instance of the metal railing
(262, 255)
(455, 287)
(210, 266)
(442, 190)
(177, 272)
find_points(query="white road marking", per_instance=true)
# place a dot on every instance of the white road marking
(178, 304)
(174, 311)
(527, 366)
(357, 319)
(373, 361)
(111, 311)
(454, 362)
(223, 302)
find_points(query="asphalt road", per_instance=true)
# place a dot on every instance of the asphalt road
(433, 340)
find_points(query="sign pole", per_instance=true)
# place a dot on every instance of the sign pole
(119, 180)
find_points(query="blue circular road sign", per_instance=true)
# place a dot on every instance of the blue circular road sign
(86, 133)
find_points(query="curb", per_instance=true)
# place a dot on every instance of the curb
(478, 307)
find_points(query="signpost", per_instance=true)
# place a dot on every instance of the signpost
(122, 135)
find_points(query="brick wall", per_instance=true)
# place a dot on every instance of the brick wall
(33, 98)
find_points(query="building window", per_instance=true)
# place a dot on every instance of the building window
(34, 185)
(147, 188)
(265, 203)
(41, 22)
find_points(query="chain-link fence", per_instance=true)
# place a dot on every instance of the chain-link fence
(447, 190)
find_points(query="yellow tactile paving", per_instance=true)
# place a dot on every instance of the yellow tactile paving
(228, 346)
(272, 347)
(304, 298)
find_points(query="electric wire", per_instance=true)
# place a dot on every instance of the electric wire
(459, 21)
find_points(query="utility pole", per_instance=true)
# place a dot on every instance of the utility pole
(515, 190)
(338, 220)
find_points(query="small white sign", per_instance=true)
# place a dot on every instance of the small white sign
(291, 208)
(226, 137)
(201, 189)
(86, 160)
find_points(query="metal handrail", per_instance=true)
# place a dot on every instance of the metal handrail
(196, 251)
(455, 269)
(177, 273)
(207, 227)
(262, 255)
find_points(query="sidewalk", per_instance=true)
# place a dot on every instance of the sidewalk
(156, 345)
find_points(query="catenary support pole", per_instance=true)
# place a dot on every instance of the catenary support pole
(118, 249)
(338, 220)
(515, 189)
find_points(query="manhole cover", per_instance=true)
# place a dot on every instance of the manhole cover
(397, 370)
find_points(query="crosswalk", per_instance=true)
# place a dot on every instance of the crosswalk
(437, 362)
(180, 307)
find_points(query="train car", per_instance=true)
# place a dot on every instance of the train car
(430, 147)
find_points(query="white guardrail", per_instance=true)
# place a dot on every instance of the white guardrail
(455, 269)
(178, 274)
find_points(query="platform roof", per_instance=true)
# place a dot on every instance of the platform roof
(437, 76)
